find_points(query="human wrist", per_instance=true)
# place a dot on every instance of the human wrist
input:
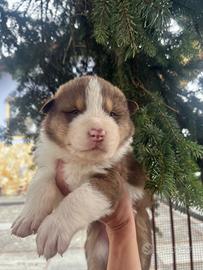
(122, 231)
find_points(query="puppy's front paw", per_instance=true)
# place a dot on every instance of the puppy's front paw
(52, 237)
(27, 223)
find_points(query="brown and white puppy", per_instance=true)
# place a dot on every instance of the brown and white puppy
(88, 126)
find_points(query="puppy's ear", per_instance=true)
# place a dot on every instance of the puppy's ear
(47, 106)
(133, 107)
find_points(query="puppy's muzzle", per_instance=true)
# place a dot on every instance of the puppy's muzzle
(96, 135)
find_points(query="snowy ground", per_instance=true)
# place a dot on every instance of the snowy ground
(20, 254)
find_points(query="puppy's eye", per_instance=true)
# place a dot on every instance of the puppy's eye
(71, 114)
(113, 114)
(74, 112)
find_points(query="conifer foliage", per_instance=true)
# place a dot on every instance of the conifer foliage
(151, 49)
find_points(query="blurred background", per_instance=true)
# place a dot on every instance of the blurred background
(153, 51)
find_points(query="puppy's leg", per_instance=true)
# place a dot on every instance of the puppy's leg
(88, 203)
(43, 195)
(96, 246)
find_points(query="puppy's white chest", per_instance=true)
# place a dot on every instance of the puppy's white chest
(75, 175)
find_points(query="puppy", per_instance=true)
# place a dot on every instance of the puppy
(88, 126)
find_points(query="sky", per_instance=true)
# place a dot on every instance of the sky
(7, 86)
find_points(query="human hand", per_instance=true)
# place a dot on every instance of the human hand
(121, 231)
(122, 218)
(59, 178)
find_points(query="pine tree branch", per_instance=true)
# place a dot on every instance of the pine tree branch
(125, 28)
(41, 19)
(129, 24)
(66, 49)
(140, 85)
(27, 8)
(19, 6)
(196, 26)
(101, 15)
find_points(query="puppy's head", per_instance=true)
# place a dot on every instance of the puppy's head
(90, 118)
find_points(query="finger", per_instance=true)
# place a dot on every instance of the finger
(59, 179)
(59, 171)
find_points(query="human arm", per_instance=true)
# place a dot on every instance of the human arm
(121, 231)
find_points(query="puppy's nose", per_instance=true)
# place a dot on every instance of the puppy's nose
(96, 134)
